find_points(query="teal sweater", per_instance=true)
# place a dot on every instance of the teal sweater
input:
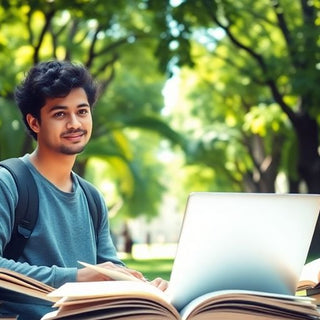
(64, 234)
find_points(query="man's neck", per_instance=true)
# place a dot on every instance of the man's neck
(57, 168)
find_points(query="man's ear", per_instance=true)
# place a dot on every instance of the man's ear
(33, 123)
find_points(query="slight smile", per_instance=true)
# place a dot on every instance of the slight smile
(74, 136)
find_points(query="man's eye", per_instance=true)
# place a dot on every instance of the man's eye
(83, 111)
(59, 114)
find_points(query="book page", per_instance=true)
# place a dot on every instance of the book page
(18, 282)
(23, 280)
(249, 300)
(113, 274)
(27, 291)
(109, 296)
(310, 275)
(76, 290)
(113, 307)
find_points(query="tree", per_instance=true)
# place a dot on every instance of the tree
(274, 46)
(231, 132)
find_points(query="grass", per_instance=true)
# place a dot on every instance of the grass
(151, 268)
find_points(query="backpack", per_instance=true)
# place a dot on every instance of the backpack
(27, 209)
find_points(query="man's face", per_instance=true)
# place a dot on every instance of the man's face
(66, 123)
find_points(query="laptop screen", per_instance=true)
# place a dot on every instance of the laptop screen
(242, 241)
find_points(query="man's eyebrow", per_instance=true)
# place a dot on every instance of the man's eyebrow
(61, 107)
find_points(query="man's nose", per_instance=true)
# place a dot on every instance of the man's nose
(73, 122)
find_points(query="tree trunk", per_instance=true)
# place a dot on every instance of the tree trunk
(266, 166)
(309, 160)
(309, 166)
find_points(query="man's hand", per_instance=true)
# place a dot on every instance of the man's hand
(160, 283)
(89, 274)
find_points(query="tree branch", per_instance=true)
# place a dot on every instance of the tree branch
(283, 27)
(48, 18)
(91, 53)
(258, 58)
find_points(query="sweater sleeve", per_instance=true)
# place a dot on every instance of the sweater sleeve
(8, 202)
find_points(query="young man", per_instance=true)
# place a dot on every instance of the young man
(56, 100)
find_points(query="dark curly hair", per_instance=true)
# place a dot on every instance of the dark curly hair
(52, 79)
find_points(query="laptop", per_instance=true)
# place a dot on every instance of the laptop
(242, 241)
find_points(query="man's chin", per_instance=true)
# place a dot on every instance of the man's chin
(71, 151)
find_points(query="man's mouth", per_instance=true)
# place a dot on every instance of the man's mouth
(74, 135)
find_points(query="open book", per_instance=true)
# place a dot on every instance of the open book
(309, 284)
(309, 278)
(18, 282)
(134, 300)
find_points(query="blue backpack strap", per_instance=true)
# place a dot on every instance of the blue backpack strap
(26, 212)
(94, 203)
